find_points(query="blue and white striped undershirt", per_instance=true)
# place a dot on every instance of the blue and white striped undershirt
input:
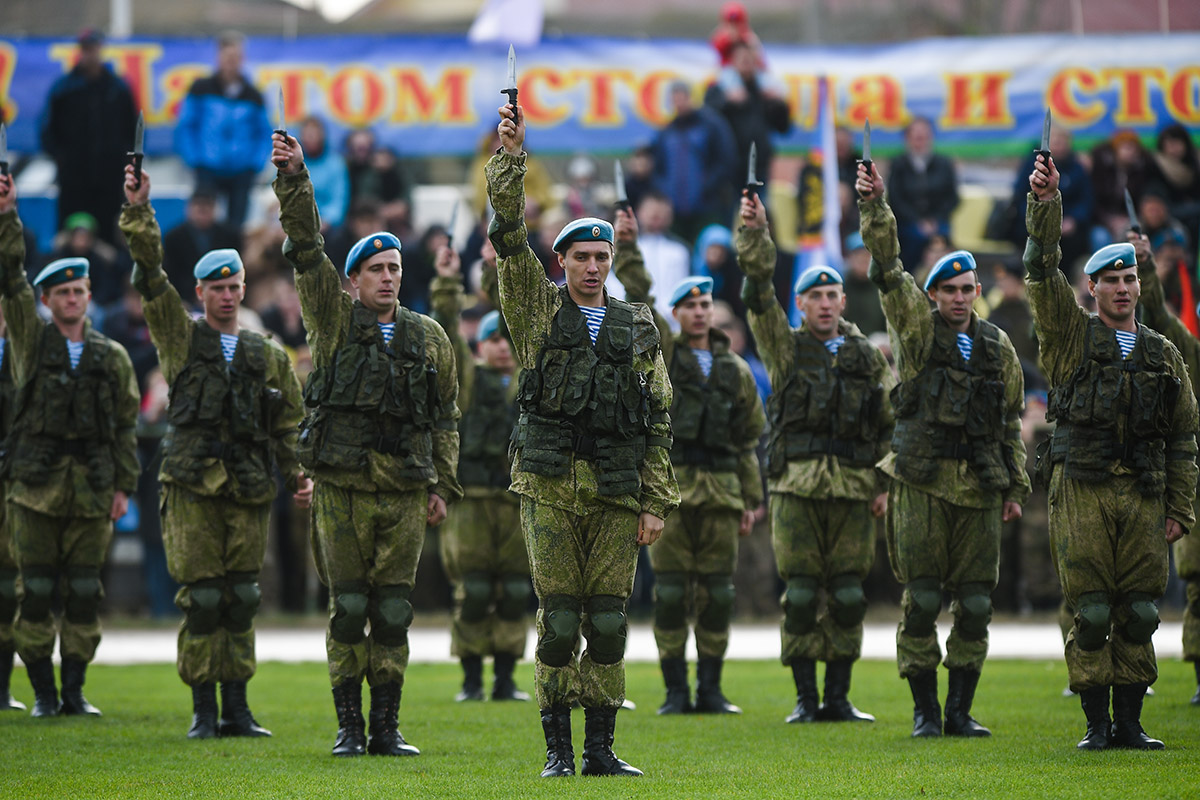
(387, 329)
(705, 359)
(593, 315)
(1126, 340)
(965, 346)
(228, 346)
(74, 351)
(834, 344)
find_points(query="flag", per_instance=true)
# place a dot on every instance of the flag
(819, 242)
(517, 22)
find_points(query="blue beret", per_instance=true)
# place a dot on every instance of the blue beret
(853, 242)
(950, 266)
(588, 229)
(489, 323)
(690, 287)
(217, 264)
(817, 276)
(61, 271)
(369, 246)
(1112, 256)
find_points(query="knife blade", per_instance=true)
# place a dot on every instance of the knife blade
(619, 180)
(138, 153)
(280, 125)
(511, 91)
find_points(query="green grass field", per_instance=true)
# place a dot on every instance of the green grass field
(138, 748)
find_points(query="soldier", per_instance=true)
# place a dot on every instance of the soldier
(1121, 465)
(73, 461)
(8, 562)
(957, 464)
(481, 544)
(233, 413)
(831, 421)
(592, 463)
(717, 420)
(380, 440)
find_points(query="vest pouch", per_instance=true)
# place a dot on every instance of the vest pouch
(616, 467)
(718, 423)
(1152, 399)
(687, 412)
(985, 415)
(344, 375)
(580, 371)
(37, 456)
(604, 411)
(421, 380)
(308, 443)
(990, 465)
(951, 390)
(822, 402)
(854, 359)
(553, 381)
(53, 404)
(906, 399)
(529, 386)
(544, 445)
(342, 439)
(374, 377)
(316, 388)
(1094, 397)
(634, 392)
(248, 404)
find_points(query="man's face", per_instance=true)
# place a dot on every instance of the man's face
(858, 263)
(844, 142)
(745, 62)
(1154, 212)
(497, 354)
(822, 307)
(377, 280)
(654, 215)
(954, 297)
(919, 139)
(81, 241)
(695, 315)
(312, 137)
(681, 101)
(68, 301)
(230, 59)
(221, 298)
(1061, 143)
(586, 265)
(359, 147)
(201, 212)
(1116, 292)
(90, 60)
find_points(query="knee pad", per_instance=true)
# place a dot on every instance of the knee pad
(1093, 616)
(974, 611)
(202, 611)
(561, 616)
(477, 596)
(349, 619)
(607, 629)
(8, 595)
(800, 605)
(717, 615)
(245, 598)
(923, 606)
(847, 601)
(670, 600)
(391, 615)
(82, 602)
(1143, 618)
(39, 583)
(514, 597)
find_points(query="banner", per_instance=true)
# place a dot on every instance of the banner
(428, 96)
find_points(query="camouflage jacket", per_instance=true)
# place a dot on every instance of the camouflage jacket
(911, 327)
(700, 487)
(327, 309)
(171, 330)
(1061, 326)
(823, 477)
(67, 492)
(529, 302)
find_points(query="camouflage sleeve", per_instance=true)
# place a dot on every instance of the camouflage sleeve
(630, 268)
(768, 319)
(1057, 318)
(285, 425)
(1158, 315)
(489, 282)
(877, 224)
(16, 297)
(887, 418)
(1181, 448)
(128, 402)
(660, 492)
(446, 301)
(140, 226)
(750, 423)
(1043, 221)
(445, 432)
(528, 299)
(1014, 409)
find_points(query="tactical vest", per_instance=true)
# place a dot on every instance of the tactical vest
(703, 410)
(67, 412)
(1115, 409)
(484, 432)
(826, 406)
(586, 401)
(955, 409)
(7, 407)
(224, 411)
(373, 396)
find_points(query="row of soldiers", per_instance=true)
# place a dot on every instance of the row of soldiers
(620, 434)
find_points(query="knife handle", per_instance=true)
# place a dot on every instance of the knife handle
(4, 168)
(1045, 154)
(512, 97)
(278, 163)
(868, 163)
(136, 160)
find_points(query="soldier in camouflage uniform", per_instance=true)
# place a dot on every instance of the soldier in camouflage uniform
(73, 461)
(483, 551)
(831, 421)
(957, 464)
(592, 463)
(234, 410)
(716, 420)
(1121, 465)
(8, 561)
(381, 441)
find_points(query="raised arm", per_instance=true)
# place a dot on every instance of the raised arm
(768, 320)
(630, 269)
(1158, 315)
(446, 301)
(16, 295)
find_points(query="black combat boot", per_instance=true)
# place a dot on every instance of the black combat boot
(503, 685)
(560, 756)
(598, 756)
(709, 697)
(45, 691)
(351, 735)
(679, 699)
(472, 687)
(927, 712)
(836, 706)
(804, 673)
(74, 671)
(386, 739)
(204, 712)
(1196, 696)
(236, 719)
(1095, 708)
(1127, 719)
(7, 703)
(959, 698)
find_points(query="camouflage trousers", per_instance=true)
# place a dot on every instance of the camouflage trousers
(580, 564)
(697, 553)
(366, 546)
(821, 544)
(936, 546)
(8, 578)
(483, 552)
(65, 553)
(1187, 564)
(215, 550)
(1108, 539)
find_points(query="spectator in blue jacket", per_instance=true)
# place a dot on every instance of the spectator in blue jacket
(223, 132)
(327, 170)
